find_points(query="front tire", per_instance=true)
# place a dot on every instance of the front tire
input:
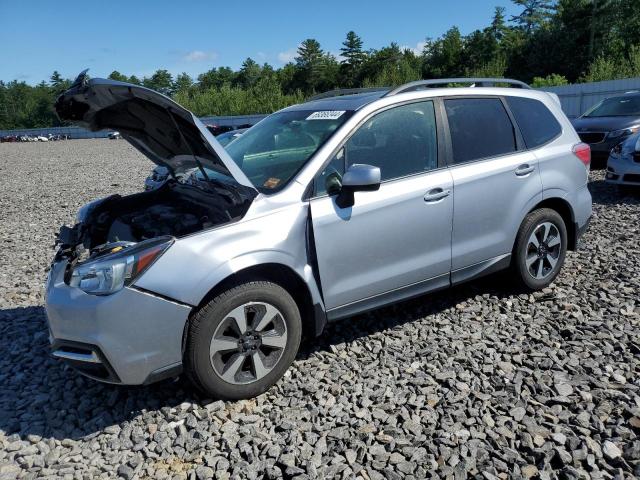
(242, 341)
(540, 249)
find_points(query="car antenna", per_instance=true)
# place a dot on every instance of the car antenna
(204, 173)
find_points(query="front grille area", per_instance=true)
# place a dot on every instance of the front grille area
(592, 137)
(632, 177)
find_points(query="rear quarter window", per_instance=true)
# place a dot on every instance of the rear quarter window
(537, 124)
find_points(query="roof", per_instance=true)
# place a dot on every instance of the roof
(344, 102)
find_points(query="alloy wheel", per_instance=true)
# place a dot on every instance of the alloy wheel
(543, 250)
(248, 343)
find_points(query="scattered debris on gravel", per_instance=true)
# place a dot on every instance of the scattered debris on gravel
(482, 380)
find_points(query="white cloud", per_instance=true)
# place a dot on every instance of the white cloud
(417, 49)
(199, 56)
(288, 55)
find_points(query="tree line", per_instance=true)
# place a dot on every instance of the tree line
(550, 42)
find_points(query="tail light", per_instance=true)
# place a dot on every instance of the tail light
(583, 152)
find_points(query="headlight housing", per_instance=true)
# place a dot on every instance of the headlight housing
(624, 132)
(111, 272)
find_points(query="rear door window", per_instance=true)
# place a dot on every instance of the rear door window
(480, 128)
(537, 124)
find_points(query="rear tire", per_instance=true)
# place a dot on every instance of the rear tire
(540, 248)
(242, 341)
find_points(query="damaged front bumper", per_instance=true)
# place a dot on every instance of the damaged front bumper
(131, 337)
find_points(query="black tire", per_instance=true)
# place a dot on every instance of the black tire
(203, 325)
(522, 250)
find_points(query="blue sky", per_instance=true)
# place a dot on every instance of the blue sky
(138, 37)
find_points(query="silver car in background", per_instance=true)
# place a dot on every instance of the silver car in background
(323, 210)
(623, 166)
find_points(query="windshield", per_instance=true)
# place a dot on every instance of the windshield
(616, 107)
(273, 151)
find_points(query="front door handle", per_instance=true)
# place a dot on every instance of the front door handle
(524, 170)
(436, 194)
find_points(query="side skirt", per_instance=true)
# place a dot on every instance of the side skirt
(440, 282)
(481, 269)
(393, 296)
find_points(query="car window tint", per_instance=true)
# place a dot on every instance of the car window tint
(401, 141)
(480, 128)
(537, 124)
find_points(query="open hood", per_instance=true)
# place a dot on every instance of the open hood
(157, 126)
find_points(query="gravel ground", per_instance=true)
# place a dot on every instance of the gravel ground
(482, 381)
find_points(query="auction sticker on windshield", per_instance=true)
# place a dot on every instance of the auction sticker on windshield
(326, 115)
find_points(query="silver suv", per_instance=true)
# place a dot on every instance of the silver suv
(319, 212)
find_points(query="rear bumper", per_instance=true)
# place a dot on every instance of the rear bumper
(580, 230)
(131, 337)
(581, 205)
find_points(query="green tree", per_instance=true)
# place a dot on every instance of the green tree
(443, 57)
(534, 15)
(498, 23)
(553, 80)
(310, 61)
(249, 73)
(216, 78)
(58, 84)
(161, 81)
(352, 58)
(116, 75)
(182, 83)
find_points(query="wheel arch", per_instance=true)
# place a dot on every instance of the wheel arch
(312, 314)
(563, 208)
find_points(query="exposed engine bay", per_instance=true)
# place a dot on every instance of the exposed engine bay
(174, 209)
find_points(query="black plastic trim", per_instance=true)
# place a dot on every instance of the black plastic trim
(85, 367)
(580, 231)
(406, 292)
(163, 373)
(481, 269)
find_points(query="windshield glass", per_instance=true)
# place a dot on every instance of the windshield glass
(616, 107)
(273, 151)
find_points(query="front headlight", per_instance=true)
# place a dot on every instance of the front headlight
(624, 132)
(111, 272)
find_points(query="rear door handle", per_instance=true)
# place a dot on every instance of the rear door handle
(525, 169)
(436, 194)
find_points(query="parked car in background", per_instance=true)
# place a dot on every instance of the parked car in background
(608, 123)
(623, 166)
(219, 129)
(227, 137)
(321, 211)
(114, 136)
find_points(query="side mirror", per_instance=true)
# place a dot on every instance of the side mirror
(357, 178)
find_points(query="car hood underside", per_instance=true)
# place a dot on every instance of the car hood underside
(164, 131)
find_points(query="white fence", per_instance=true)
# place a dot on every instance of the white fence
(578, 98)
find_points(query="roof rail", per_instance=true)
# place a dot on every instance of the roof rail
(346, 91)
(476, 82)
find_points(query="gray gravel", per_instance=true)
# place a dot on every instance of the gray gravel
(482, 381)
